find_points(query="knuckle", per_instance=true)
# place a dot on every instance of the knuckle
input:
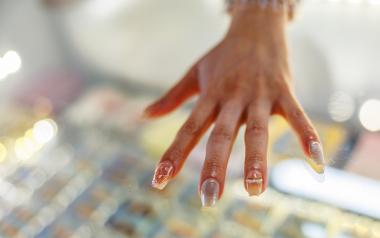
(297, 113)
(221, 133)
(255, 165)
(191, 127)
(256, 128)
(209, 94)
(286, 95)
(285, 87)
(310, 135)
(174, 153)
(256, 157)
(307, 129)
(213, 167)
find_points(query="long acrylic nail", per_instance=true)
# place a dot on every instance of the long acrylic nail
(254, 182)
(162, 175)
(209, 192)
(317, 160)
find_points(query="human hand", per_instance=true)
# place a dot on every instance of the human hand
(244, 80)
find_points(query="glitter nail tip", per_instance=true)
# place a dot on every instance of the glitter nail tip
(162, 175)
(317, 161)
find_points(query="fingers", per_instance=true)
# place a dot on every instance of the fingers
(256, 143)
(308, 136)
(182, 91)
(218, 152)
(187, 137)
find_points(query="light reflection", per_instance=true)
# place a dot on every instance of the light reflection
(371, 2)
(104, 8)
(24, 148)
(44, 131)
(336, 189)
(355, 1)
(374, 2)
(10, 63)
(3, 152)
(341, 106)
(3, 71)
(369, 115)
(34, 139)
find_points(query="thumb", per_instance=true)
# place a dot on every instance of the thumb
(176, 96)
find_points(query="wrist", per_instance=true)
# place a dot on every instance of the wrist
(288, 5)
(253, 21)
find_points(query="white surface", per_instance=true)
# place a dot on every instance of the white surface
(339, 188)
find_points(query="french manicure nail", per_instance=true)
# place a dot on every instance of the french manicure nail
(317, 160)
(254, 182)
(209, 192)
(162, 175)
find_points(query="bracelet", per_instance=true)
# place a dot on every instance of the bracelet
(265, 3)
(289, 5)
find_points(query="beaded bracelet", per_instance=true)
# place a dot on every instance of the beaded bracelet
(289, 5)
(266, 3)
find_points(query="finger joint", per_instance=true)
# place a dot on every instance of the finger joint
(221, 134)
(256, 128)
(190, 128)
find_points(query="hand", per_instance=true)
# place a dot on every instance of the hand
(243, 80)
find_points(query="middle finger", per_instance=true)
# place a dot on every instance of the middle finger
(218, 152)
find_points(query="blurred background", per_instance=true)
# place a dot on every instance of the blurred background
(76, 161)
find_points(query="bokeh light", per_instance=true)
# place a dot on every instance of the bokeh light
(10, 63)
(3, 152)
(369, 115)
(3, 71)
(24, 149)
(341, 106)
(34, 139)
(44, 131)
(374, 2)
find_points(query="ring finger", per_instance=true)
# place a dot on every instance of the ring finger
(256, 141)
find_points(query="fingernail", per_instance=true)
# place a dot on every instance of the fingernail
(317, 160)
(162, 175)
(254, 182)
(209, 192)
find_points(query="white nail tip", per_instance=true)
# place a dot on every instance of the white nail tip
(254, 182)
(162, 175)
(159, 186)
(317, 160)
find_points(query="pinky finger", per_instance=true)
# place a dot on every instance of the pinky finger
(306, 132)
